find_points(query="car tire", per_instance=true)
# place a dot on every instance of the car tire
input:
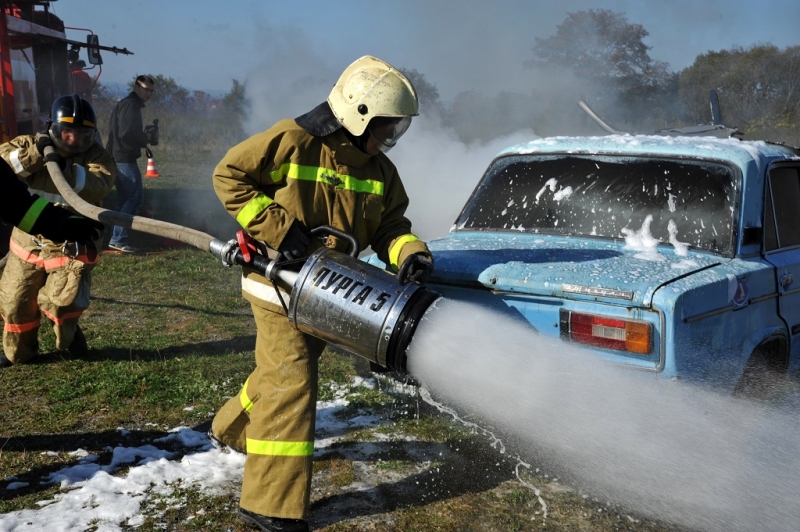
(764, 378)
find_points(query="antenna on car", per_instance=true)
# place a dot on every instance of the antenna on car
(716, 115)
(715, 129)
(585, 106)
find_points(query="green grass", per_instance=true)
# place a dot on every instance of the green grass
(167, 332)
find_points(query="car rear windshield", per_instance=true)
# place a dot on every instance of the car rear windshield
(607, 196)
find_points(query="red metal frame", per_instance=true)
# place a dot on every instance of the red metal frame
(9, 115)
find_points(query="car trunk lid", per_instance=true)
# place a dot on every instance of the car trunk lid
(559, 266)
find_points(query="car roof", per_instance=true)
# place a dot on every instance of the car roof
(740, 152)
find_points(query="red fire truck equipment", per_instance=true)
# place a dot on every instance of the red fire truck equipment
(35, 64)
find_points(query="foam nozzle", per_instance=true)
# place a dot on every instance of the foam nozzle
(358, 307)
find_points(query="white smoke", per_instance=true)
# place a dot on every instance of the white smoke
(440, 172)
(290, 79)
(668, 449)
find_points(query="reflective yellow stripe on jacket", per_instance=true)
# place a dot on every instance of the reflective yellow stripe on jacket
(328, 176)
(315, 174)
(27, 222)
(252, 209)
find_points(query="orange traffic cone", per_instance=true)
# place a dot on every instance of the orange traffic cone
(151, 166)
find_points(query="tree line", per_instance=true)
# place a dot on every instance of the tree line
(595, 55)
(600, 57)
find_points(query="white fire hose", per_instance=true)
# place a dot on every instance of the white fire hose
(193, 237)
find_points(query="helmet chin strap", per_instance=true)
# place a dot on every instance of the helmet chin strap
(360, 141)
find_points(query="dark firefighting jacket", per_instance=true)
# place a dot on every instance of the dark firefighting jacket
(19, 207)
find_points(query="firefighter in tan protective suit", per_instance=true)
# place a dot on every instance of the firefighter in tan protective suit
(43, 276)
(326, 167)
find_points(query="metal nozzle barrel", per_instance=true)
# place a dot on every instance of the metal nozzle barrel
(358, 307)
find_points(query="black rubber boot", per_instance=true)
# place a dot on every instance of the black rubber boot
(272, 524)
(6, 363)
(78, 347)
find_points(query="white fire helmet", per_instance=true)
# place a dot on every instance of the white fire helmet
(371, 88)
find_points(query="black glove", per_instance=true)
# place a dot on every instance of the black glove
(82, 230)
(45, 141)
(152, 134)
(61, 225)
(295, 242)
(42, 142)
(416, 268)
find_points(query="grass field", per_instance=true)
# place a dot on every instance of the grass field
(171, 339)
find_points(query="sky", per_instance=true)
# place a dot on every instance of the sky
(458, 45)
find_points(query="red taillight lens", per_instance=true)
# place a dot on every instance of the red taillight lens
(611, 333)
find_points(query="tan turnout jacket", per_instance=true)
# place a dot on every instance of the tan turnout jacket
(285, 173)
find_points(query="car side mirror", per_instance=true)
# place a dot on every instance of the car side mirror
(93, 49)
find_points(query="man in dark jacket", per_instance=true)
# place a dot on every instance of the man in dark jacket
(127, 136)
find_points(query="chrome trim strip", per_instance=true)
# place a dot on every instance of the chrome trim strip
(597, 292)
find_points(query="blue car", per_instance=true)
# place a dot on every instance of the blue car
(675, 255)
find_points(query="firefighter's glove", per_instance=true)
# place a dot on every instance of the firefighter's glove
(61, 225)
(45, 141)
(82, 230)
(295, 242)
(416, 268)
(151, 132)
(42, 142)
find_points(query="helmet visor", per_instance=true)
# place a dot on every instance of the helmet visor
(70, 138)
(387, 130)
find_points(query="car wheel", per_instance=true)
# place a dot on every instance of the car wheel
(764, 378)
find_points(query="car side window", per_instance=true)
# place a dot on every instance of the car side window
(782, 217)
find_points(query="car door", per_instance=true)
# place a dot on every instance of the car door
(782, 246)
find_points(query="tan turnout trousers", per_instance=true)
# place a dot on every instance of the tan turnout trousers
(273, 419)
(40, 279)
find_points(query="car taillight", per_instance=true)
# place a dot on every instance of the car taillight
(612, 333)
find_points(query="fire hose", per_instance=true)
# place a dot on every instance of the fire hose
(334, 296)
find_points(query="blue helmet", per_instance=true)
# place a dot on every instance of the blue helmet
(72, 124)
